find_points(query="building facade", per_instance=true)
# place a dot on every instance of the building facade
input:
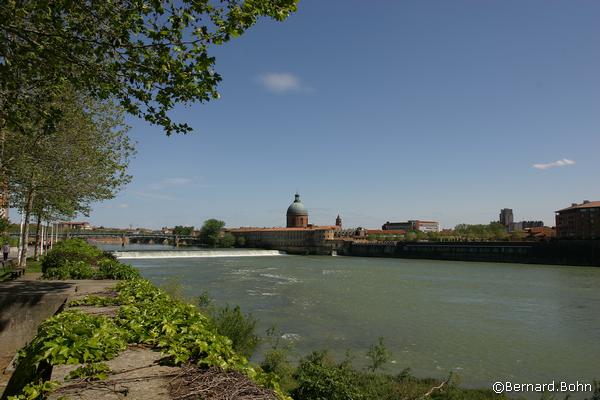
(285, 238)
(580, 221)
(85, 226)
(506, 217)
(412, 225)
(297, 236)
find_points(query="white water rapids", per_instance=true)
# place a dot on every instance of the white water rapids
(127, 255)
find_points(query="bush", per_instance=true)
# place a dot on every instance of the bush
(71, 270)
(318, 377)
(113, 269)
(378, 354)
(227, 240)
(76, 259)
(231, 322)
(276, 362)
(70, 250)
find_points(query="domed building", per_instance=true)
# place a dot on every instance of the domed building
(297, 214)
(298, 237)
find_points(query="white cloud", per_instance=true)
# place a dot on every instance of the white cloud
(123, 205)
(153, 195)
(168, 182)
(282, 82)
(177, 181)
(559, 163)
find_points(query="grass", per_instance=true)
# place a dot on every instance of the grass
(4, 275)
(33, 266)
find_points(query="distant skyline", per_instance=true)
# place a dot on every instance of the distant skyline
(384, 111)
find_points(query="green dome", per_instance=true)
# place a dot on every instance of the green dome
(297, 208)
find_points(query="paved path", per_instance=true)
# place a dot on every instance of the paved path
(25, 303)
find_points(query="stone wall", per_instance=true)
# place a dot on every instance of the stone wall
(557, 252)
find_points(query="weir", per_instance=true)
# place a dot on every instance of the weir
(126, 255)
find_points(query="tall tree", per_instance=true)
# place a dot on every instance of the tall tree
(82, 160)
(147, 55)
(211, 231)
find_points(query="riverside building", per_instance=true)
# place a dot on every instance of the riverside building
(412, 225)
(297, 237)
(580, 221)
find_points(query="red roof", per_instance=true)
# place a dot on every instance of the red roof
(386, 232)
(589, 204)
(310, 228)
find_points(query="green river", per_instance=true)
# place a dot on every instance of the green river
(486, 321)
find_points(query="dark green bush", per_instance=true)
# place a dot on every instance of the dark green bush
(319, 378)
(76, 259)
(70, 250)
(231, 322)
(276, 362)
(71, 270)
(113, 269)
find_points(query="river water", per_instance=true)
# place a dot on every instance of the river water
(484, 321)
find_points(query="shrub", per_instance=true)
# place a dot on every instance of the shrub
(70, 250)
(231, 322)
(71, 270)
(276, 362)
(319, 378)
(109, 268)
(76, 259)
(227, 240)
(378, 354)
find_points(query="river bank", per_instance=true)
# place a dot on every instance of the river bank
(555, 252)
(483, 321)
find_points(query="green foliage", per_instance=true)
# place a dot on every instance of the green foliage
(378, 355)
(112, 269)
(174, 288)
(227, 240)
(492, 231)
(152, 317)
(12, 241)
(98, 301)
(71, 270)
(210, 232)
(318, 378)
(70, 250)
(240, 328)
(176, 328)
(4, 225)
(183, 230)
(73, 337)
(148, 55)
(411, 236)
(276, 362)
(91, 372)
(240, 241)
(76, 259)
(35, 391)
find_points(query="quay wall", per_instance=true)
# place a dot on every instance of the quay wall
(557, 252)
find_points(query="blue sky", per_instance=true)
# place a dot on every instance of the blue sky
(384, 110)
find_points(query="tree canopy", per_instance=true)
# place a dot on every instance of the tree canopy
(211, 231)
(83, 160)
(146, 54)
(183, 230)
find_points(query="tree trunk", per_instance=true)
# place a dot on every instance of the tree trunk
(3, 178)
(24, 244)
(38, 239)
